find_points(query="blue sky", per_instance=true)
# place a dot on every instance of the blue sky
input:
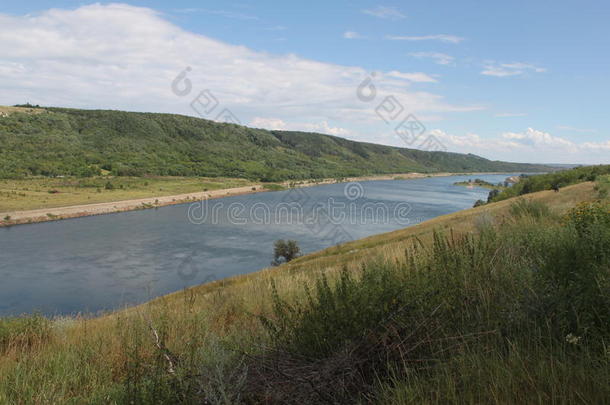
(520, 81)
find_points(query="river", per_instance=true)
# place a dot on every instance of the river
(92, 264)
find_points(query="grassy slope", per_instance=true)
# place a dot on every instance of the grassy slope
(60, 141)
(89, 360)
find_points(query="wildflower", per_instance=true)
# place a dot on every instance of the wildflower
(572, 339)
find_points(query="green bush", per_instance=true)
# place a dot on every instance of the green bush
(285, 251)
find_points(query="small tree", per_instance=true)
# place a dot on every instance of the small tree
(555, 186)
(284, 251)
(492, 194)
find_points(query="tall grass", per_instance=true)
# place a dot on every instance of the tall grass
(527, 301)
(21, 333)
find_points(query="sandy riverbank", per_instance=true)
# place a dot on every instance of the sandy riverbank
(74, 211)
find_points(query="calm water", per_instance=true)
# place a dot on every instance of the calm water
(104, 262)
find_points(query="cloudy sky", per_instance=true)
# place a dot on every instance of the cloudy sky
(519, 81)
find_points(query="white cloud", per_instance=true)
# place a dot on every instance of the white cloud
(437, 37)
(597, 146)
(352, 35)
(538, 139)
(222, 13)
(389, 13)
(268, 123)
(280, 125)
(437, 57)
(510, 69)
(530, 145)
(417, 77)
(323, 127)
(124, 57)
(573, 129)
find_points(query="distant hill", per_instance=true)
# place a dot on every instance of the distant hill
(60, 141)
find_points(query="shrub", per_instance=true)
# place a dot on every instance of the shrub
(285, 251)
(478, 203)
(492, 194)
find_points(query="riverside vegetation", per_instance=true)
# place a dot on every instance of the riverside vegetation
(505, 303)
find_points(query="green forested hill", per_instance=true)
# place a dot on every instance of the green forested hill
(62, 141)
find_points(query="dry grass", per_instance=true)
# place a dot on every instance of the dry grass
(37, 193)
(5, 111)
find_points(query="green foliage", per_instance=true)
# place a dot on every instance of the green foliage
(61, 141)
(285, 251)
(552, 181)
(492, 194)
